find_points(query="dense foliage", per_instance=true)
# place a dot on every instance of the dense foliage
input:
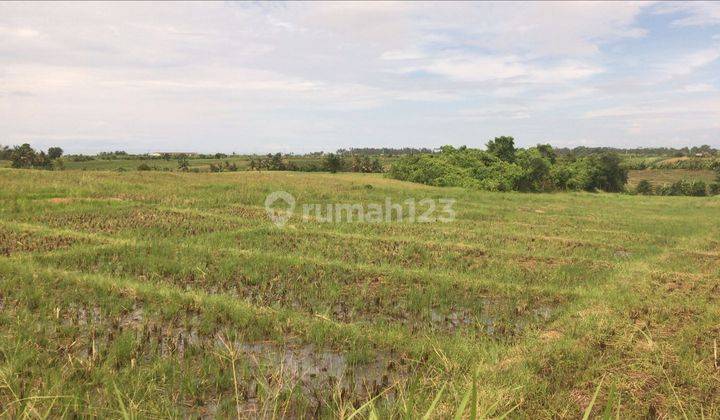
(25, 157)
(704, 150)
(331, 162)
(5, 152)
(502, 167)
(683, 187)
(227, 166)
(55, 152)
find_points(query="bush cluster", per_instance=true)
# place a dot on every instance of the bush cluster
(332, 162)
(25, 157)
(224, 167)
(5, 152)
(695, 188)
(503, 167)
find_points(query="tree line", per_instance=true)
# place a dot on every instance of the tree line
(24, 156)
(704, 150)
(503, 167)
(384, 151)
(331, 162)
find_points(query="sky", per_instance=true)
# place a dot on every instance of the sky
(304, 77)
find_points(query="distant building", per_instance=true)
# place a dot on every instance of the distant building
(173, 154)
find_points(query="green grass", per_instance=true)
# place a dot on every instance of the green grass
(158, 164)
(156, 294)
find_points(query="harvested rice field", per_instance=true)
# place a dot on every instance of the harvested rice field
(166, 294)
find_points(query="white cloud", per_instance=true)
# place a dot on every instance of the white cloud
(505, 112)
(699, 88)
(204, 75)
(18, 32)
(483, 68)
(688, 63)
(694, 13)
(710, 107)
(402, 55)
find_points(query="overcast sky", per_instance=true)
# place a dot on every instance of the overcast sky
(296, 77)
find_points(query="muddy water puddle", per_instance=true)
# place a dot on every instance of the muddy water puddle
(12, 242)
(495, 317)
(315, 372)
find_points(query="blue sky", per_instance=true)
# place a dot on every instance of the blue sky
(299, 77)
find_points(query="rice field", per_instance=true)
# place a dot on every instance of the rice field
(165, 294)
(669, 176)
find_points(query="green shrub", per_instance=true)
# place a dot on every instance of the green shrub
(55, 152)
(333, 163)
(715, 166)
(502, 147)
(183, 163)
(714, 188)
(614, 175)
(697, 188)
(644, 187)
(505, 168)
(684, 187)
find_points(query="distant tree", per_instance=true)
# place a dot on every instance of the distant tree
(356, 163)
(610, 175)
(534, 171)
(547, 152)
(220, 155)
(365, 164)
(373, 151)
(276, 162)
(144, 167)
(54, 152)
(183, 163)
(5, 153)
(644, 187)
(23, 156)
(502, 147)
(81, 158)
(166, 156)
(531, 169)
(716, 167)
(333, 163)
(253, 164)
(703, 150)
(230, 167)
(42, 161)
(447, 149)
